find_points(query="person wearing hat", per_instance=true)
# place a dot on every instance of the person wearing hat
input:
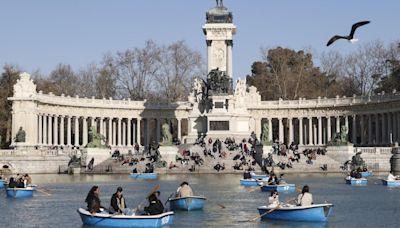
(118, 204)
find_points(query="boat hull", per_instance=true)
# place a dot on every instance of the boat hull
(279, 188)
(312, 213)
(2, 184)
(393, 183)
(106, 220)
(144, 176)
(355, 181)
(366, 174)
(19, 192)
(252, 182)
(189, 203)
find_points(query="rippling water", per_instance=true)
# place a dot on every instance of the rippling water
(373, 205)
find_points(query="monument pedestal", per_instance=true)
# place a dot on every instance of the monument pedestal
(99, 155)
(340, 153)
(168, 153)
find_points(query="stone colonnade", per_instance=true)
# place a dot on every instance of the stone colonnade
(362, 129)
(56, 130)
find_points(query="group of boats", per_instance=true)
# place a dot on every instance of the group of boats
(189, 203)
(287, 212)
(364, 181)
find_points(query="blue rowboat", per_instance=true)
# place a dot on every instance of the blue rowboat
(188, 203)
(366, 174)
(107, 220)
(19, 192)
(279, 188)
(144, 176)
(312, 213)
(391, 183)
(2, 184)
(252, 182)
(355, 181)
(259, 176)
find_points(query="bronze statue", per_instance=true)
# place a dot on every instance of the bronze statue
(357, 162)
(219, 3)
(95, 139)
(20, 136)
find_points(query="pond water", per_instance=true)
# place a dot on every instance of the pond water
(373, 205)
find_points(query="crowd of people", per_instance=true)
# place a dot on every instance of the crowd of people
(118, 203)
(20, 181)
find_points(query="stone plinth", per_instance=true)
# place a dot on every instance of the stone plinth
(340, 153)
(168, 153)
(99, 155)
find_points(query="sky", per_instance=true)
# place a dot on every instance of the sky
(38, 35)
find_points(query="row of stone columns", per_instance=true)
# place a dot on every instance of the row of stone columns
(366, 129)
(117, 131)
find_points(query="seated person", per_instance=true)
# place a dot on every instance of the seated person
(118, 204)
(155, 206)
(93, 200)
(392, 177)
(305, 197)
(184, 190)
(246, 175)
(273, 199)
(12, 183)
(281, 180)
(135, 170)
(273, 180)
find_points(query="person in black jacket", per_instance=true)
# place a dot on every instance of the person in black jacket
(118, 204)
(155, 206)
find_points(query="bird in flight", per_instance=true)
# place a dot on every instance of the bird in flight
(350, 37)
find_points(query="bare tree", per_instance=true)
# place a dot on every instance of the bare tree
(178, 67)
(63, 80)
(87, 81)
(136, 69)
(106, 78)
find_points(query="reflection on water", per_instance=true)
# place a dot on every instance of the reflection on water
(373, 205)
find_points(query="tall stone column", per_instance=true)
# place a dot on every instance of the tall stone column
(101, 123)
(300, 131)
(180, 129)
(123, 133)
(55, 130)
(270, 129)
(114, 133)
(362, 133)
(320, 130)
(129, 122)
(49, 130)
(119, 132)
(85, 131)
(209, 55)
(290, 123)
(398, 126)
(62, 129)
(40, 131)
(110, 135)
(354, 130)
(158, 124)
(45, 121)
(93, 122)
(383, 128)
(76, 131)
(370, 129)
(310, 131)
(346, 124)
(138, 136)
(147, 132)
(280, 130)
(229, 58)
(389, 126)
(337, 124)
(394, 126)
(377, 128)
(328, 129)
(69, 130)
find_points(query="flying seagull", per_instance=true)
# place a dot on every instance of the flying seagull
(350, 37)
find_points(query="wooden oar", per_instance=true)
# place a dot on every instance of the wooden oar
(153, 190)
(43, 191)
(265, 213)
(222, 206)
(259, 186)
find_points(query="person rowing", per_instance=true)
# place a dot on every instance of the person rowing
(273, 199)
(305, 197)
